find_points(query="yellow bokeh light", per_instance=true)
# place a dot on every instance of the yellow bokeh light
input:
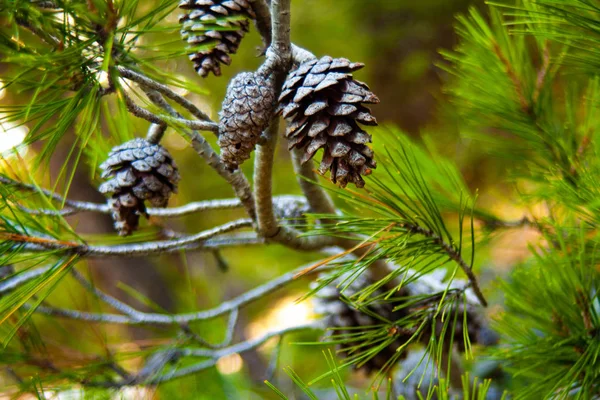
(286, 313)
(230, 364)
(11, 136)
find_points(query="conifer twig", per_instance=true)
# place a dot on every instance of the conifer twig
(148, 116)
(189, 242)
(164, 90)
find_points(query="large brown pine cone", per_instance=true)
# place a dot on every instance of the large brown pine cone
(343, 318)
(247, 109)
(139, 171)
(220, 23)
(323, 105)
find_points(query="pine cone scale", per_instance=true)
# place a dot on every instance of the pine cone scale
(323, 105)
(209, 22)
(246, 111)
(138, 171)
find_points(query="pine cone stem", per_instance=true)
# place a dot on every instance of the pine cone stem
(280, 27)
(156, 133)
(263, 177)
(262, 20)
(268, 226)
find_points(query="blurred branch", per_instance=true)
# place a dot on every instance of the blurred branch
(142, 318)
(212, 355)
(43, 35)
(15, 281)
(113, 302)
(320, 202)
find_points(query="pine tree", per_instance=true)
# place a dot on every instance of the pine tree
(393, 249)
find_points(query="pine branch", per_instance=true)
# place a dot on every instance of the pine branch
(237, 348)
(263, 20)
(142, 318)
(190, 242)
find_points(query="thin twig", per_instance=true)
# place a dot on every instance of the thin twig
(116, 304)
(454, 255)
(161, 120)
(164, 90)
(21, 278)
(219, 242)
(237, 348)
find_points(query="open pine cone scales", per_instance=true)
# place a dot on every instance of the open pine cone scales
(221, 23)
(323, 104)
(139, 171)
(246, 111)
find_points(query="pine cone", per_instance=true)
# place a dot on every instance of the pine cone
(341, 315)
(323, 105)
(210, 22)
(246, 111)
(140, 171)
(291, 209)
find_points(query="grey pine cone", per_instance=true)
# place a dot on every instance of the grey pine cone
(246, 111)
(138, 171)
(341, 315)
(323, 105)
(206, 22)
(478, 330)
(291, 210)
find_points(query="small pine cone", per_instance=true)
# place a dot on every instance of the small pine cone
(323, 105)
(139, 171)
(291, 209)
(341, 315)
(214, 22)
(246, 111)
